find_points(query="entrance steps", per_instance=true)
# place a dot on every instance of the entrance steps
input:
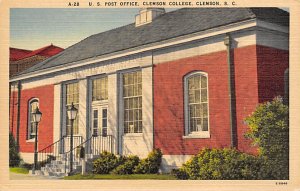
(60, 167)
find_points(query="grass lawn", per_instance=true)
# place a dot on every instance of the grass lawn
(117, 177)
(18, 170)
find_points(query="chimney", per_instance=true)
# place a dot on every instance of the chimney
(147, 15)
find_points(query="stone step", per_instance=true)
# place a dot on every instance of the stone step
(60, 166)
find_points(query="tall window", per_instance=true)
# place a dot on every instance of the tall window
(132, 97)
(72, 96)
(33, 104)
(99, 89)
(196, 103)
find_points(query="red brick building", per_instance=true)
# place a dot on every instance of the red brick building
(21, 59)
(178, 81)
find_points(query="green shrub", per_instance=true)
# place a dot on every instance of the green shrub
(127, 165)
(14, 156)
(180, 174)
(219, 164)
(151, 164)
(269, 130)
(106, 163)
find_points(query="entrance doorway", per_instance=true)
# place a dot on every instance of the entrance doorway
(99, 120)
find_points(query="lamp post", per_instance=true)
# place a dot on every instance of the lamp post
(36, 117)
(72, 113)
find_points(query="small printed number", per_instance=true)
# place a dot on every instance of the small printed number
(281, 183)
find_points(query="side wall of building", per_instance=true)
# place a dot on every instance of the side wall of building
(45, 95)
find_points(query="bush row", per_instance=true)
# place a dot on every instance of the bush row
(220, 164)
(110, 163)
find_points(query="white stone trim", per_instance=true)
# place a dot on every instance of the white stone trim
(272, 26)
(274, 39)
(82, 122)
(170, 162)
(108, 67)
(112, 120)
(57, 112)
(27, 157)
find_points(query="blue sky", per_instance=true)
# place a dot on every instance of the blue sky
(35, 28)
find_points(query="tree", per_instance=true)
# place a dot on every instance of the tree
(269, 130)
(14, 156)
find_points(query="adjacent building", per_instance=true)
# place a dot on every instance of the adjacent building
(21, 59)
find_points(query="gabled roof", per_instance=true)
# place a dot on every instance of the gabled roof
(170, 25)
(16, 53)
(47, 51)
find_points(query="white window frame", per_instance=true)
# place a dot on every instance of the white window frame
(199, 134)
(29, 118)
(121, 105)
(64, 108)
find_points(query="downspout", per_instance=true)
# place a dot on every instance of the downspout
(231, 90)
(11, 127)
(153, 133)
(18, 115)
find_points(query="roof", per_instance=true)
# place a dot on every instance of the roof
(46, 51)
(16, 53)
(170, 25)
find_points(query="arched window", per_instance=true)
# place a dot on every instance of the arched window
(196, 105)
(33, 104)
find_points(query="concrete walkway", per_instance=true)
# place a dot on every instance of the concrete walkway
(17, 176)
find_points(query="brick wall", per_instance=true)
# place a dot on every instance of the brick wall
(169, 96)
(169, 106)
(272, 64)
(45, 94)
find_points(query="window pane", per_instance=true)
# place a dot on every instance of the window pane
(104, 123)
(197, 82)
(140, 114)
(191, 96)
(104, 113)
(197, 96)
(95, 114)
(204, 110)
(203, 95)
(140, 102)
(203, 81)
(95, 125)
(130, 80)
(191, 83)
(205, 124)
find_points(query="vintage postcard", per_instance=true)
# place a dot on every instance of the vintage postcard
(114, 95)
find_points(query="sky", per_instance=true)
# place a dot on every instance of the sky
(35, 28)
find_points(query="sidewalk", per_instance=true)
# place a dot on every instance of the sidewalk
(17, 176)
